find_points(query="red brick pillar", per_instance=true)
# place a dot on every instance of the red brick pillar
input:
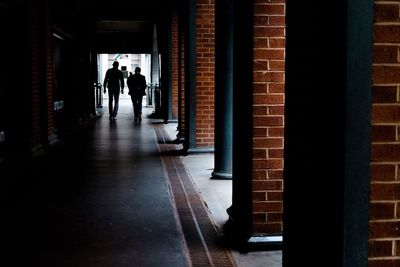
(49, 75)
(384, 231)
(175, 65)
(205, 38)
(268, 115)
(42, 74)
(181, 78)
(35, 77)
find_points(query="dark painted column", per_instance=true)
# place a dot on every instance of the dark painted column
(93, 79)
(190, 77)
(155, 70)
(223, 89)
(239, 225)
(358, 141)
(326, 188)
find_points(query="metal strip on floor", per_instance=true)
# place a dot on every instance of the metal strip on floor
(201, 237)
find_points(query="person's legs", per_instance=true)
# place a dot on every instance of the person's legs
(116, 103)
(133, 105)
(140, 100)
(110, 103)
(136, 107)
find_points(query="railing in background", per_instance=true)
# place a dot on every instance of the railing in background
(154, 98)
(99, 94)
(151, 91)
(157, 99)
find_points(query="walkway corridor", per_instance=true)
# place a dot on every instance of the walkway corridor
(97, 199)
(100, 199)
(115, 194)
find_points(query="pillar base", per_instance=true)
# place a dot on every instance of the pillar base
(178, 141)
(197, 150)
(221, 175)
(234, 237)
(265, 242)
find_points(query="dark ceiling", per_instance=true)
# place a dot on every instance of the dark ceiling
(123, 25)
(133, 10)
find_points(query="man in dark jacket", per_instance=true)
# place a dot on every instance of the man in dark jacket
(137, 86)
(114, 81)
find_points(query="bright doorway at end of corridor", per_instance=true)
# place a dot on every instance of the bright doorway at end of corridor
(127, 63)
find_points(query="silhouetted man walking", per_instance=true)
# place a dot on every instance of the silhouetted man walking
(114, 81)
(137, 85)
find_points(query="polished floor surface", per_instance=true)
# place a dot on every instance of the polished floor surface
(99, 199)
(116, 194)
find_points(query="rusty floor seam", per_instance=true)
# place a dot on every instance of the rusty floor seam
(201, 237)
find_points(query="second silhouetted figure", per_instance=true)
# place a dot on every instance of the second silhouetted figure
(137, 86)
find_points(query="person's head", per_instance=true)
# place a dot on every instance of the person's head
(137, 70)
(116, 64)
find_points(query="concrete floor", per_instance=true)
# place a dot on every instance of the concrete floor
(102, 199)
(98, 198)
(217, 195)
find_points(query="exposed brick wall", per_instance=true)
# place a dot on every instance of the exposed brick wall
(49, 73)
(182, 83)
(35, 74)
(268, 115)
(205, 51)
(384, 226)
(175, 78)
(41, 72)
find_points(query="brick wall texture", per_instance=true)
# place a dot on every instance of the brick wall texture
(49, 74)
(175, 66)
(205, 51)
(181, 85)
(268, 115)
(35, 76)
(42, 72)
(384, 225)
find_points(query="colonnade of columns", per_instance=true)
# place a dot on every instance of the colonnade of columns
(316, 153)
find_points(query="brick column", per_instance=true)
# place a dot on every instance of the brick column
(35, 70)
(205, 39)
(42, 75)
(181, 78)
(268, 115)
(384, 249)
(175, 65)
